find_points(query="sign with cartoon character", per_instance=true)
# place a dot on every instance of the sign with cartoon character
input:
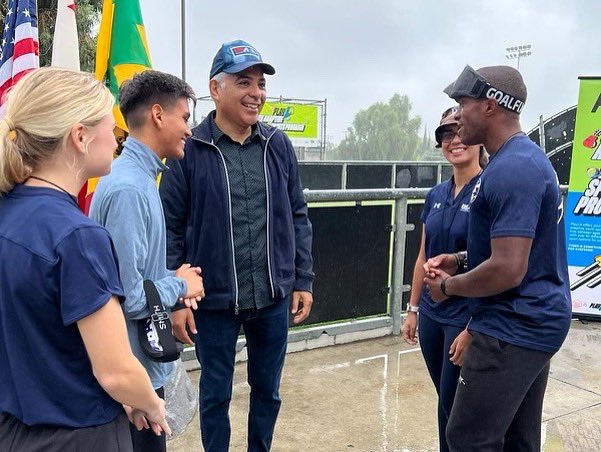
(583, 202)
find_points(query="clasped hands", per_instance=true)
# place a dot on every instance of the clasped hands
(195, 289)
(437, 269)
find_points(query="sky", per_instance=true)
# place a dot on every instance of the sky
(355, 53)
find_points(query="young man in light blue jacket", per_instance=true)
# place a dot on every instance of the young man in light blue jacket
(127, 203)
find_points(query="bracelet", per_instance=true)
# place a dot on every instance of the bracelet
(463, 259)
(412, 308)
(443, 287)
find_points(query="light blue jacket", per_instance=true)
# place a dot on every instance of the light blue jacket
(126, 202)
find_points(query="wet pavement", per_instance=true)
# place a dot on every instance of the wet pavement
(375, 395)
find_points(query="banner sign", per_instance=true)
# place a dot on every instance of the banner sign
(583, 202)
(296, 120)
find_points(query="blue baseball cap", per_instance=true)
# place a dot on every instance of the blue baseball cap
(236, 56)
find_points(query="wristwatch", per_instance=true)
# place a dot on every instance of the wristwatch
(461, 260)
(412, 308)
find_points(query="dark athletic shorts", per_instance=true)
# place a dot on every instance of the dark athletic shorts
(15, 436)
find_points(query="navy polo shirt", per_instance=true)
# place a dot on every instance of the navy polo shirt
(518, 196)
(57, 268)
(445, 220)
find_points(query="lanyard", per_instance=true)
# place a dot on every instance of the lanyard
(443, 234)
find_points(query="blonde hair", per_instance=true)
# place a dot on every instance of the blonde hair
(41, 110)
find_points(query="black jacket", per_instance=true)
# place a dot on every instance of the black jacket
(196, 200)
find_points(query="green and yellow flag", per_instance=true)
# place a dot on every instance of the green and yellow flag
(122, 49)
(121, 52)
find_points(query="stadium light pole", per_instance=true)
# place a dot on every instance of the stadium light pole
(183, 27)
(518, 52)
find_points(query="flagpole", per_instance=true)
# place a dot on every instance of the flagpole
(183, 27)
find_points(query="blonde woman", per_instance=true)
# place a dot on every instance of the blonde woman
(66, 368)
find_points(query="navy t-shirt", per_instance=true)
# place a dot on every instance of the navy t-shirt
(445, 222)
(57, 268)
(518, 196)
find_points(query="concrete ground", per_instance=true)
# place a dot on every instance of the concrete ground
(376, 395)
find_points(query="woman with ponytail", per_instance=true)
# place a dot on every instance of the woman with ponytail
(66, 368)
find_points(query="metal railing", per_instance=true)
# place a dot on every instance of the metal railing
(343, 167)
(400, 229)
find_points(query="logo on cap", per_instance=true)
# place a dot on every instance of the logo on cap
(244, 50)
(449, 111)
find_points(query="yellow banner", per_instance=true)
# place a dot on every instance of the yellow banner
(296, 120)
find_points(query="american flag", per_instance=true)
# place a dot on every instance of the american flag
(20, 49)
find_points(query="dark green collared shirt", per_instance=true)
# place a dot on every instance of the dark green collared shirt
(244, 163)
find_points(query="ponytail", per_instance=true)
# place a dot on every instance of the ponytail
(13, 169)
(483, 157)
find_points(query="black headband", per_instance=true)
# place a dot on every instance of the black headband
(471, 84)
(504, 100)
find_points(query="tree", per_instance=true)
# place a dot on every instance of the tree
(87, 13)
(426, 149)
(385, 131)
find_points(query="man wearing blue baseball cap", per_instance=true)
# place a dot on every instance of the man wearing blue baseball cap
(518, 277)
(234, 206)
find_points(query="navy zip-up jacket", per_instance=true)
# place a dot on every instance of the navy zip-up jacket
(196, 200)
